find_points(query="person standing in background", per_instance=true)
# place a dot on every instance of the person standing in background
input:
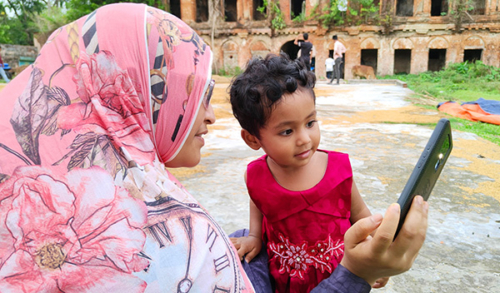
(2, 71)
(338, 50)
(306, 49)
(329, 64)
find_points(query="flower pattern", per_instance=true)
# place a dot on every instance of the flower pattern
(71, 233)
(296, 259)
(110, 105)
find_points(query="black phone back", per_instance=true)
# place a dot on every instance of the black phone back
(428, 168)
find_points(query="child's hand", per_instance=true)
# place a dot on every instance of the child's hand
(249, 246)
(380, 283)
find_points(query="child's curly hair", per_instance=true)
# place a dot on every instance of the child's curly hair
(254, 92)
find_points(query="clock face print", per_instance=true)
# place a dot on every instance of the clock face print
(188, 251)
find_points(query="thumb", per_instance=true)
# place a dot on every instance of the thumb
(361, 230)
(251, 255)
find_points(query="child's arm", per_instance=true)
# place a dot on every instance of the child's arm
(359, 210)
(251, 244)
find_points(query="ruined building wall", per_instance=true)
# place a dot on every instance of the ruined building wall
(411, 44)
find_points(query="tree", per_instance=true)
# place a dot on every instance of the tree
(21, 20)
(79, 8)
(20, 28)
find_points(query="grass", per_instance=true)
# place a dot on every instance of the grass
(459, 82)
(487, 131)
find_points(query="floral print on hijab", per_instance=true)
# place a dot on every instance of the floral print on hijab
(84, 133)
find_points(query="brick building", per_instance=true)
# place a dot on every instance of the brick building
(418, 35)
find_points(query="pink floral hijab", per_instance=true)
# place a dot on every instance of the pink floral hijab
(86, 204)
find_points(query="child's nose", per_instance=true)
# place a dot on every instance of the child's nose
(303, 137)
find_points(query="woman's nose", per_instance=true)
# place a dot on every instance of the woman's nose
(210, 115)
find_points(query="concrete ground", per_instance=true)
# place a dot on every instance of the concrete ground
(377, 126)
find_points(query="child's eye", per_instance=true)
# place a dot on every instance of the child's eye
(311, 123)
(286, 132)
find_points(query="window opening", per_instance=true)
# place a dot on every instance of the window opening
(175, 8)
(230, 10)
(369, 57)
(404, 8)
(439, 7)
(437, 59)
(201, 10)
(257, 15)
(297, 7)
(473, 55)
(402, 61)
(479, 7)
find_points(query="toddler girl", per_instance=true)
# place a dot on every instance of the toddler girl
(302, 199)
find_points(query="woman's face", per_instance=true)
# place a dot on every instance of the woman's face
(190, 153)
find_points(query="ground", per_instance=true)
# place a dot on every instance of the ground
(380, 129)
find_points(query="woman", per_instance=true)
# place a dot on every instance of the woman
(86, 203)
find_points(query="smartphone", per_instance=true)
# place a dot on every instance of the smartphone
(427, 170)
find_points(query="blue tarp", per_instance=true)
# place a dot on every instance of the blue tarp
(488, 106)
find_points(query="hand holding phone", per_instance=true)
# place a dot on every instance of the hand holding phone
(428, 168)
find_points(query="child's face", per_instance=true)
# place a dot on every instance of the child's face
(291, 135)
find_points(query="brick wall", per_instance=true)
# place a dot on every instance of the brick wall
(12, 53)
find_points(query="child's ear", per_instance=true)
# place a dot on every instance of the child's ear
(250, 140)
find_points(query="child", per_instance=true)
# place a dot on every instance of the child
(303, 199)
(329, 64)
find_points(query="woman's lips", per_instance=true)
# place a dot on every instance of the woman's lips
(200, 138)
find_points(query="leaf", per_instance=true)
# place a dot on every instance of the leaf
(109, 157)
(3, 177)
(85, 147)
(29, 114)
(79, 141)
(56, 97)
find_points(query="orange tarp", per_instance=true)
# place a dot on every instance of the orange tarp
(471, 112)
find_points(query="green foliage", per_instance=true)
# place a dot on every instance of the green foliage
(271, 9)
(47, 21)
(460, 82)
(30, 17)
(487, 131)
(458, 8)
(360, 11)
(79, 8)
(19, 28)
(332, 15)
(230, 71)
(302, 15)
(369, 10)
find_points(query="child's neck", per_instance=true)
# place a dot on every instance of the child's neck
(301, 178)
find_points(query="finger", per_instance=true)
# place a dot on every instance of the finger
(361, 229)
(381, 282)
(412, 235)
(253, 253)
(385, 233)
(237, 245)
(241, 253)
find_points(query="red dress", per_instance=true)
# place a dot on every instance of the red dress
(304, 230)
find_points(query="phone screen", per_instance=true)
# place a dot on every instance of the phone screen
(428, 168)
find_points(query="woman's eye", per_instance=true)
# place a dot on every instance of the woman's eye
(311, 123)
(286, 132)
